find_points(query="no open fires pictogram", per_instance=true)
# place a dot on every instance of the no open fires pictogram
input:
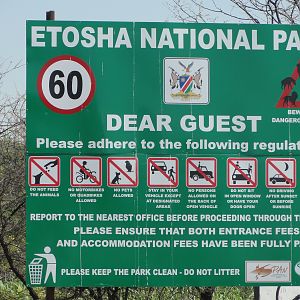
(44, 171)
(201, 172)
(86, 171)
(242, 172)
(162, 172)
(122, 171)
(280, 172)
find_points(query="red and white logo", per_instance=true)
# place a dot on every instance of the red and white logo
(201, 172)
(280, 172)
(86, 171)
(66, 84)
(44, 171)
(122, 171)
(162, 172)
(242, 172)
(268, 271)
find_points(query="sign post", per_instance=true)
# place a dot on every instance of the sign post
(162, 154)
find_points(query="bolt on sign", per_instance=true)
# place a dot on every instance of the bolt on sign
(162, 154)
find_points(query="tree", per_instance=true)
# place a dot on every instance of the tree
(12, 181)
(240, 11)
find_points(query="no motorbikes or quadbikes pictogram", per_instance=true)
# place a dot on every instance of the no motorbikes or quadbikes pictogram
(44, 171)
(122, 171)
(201, 172)
(280, 172)
(86, 171)
(242, 172)
(162, 172)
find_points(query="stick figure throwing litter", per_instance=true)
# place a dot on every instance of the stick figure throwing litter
(51, 263)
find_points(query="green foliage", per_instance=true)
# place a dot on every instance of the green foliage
(13, 290)
(233, 293)
(17, 291)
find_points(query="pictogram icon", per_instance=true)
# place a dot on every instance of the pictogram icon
(289, 98)
(44, 171)
(86, 171)
(242, 172)
(280, 172)
(201, 172)
(122, 171)
(162, 172)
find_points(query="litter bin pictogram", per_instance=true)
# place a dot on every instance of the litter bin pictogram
(36, 271)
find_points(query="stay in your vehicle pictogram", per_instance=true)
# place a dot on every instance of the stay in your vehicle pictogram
(162, 172)
(201, 172)
(242, 172)
(280, 172)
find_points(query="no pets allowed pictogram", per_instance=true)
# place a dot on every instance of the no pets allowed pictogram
(122, 171)
(86, 171)
(162, 172)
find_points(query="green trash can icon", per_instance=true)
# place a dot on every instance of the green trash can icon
(36, 271)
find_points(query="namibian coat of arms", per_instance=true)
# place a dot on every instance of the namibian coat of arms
(186, 81)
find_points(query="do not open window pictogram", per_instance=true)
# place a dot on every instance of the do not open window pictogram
(242, 172)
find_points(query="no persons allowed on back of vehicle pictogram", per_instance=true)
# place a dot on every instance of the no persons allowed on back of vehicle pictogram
(201, 172)
(162, 172)
(44, 171)
(122, 171)
(242, 172)
(86, 171)
(280, 172)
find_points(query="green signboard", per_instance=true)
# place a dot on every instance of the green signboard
(162, 154)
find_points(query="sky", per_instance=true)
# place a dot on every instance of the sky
(14, 13)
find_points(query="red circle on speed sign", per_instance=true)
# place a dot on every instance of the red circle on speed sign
(66, 84)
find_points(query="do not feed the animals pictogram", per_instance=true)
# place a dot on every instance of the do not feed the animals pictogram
(44, 171)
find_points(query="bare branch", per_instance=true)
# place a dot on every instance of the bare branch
(246, 11)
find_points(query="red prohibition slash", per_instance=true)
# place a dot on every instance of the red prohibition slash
(84, 65)
(151, 161)
(111, 161)
(245, 177)
(33, 160)
(97, 182)
(289, 182)
(213, 183)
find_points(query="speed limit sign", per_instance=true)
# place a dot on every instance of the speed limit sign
(66, 84)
